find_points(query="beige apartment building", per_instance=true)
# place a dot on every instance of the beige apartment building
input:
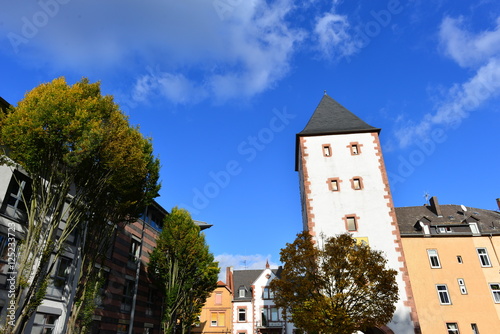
(451, 253)
(216, 315)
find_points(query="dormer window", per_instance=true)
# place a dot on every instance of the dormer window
(242, 291)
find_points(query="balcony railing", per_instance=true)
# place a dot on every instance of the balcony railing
(269, 324)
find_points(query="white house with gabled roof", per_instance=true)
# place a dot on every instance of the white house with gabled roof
(254, 311)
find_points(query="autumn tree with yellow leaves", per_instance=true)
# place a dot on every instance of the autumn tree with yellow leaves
(335, 285)
(89, 168)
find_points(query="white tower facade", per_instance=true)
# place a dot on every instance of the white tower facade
(344, 188)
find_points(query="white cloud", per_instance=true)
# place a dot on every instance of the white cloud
(240, 54)
(332, 33)
(480, 51)
(238, 262)
(466, 48)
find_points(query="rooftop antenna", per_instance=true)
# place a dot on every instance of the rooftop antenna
(426, 196)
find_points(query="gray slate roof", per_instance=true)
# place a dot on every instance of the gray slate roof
(330, 117)
(452, 216)
(246, 278)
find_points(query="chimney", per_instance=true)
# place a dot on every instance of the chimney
(435, 206)
(498, 203)
(229, 278)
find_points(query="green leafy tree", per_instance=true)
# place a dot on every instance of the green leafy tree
(183, 269)
(338, 287)
(89, 170)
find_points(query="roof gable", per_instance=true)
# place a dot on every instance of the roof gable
(330, 117)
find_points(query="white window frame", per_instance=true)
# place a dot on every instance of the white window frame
(484, 258)
(241, 292)
(461, 286)
(242, 315)
(495, 292)
(452, 328)
(475, 329)
(433, 256)
(443, 294)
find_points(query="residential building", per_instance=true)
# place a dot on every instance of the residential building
(53, 314)
(344, 188)
(254, 310)
(216, 314)
(128, 296)
(452, 255)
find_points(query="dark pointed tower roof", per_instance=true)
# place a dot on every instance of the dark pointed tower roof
(330, 117)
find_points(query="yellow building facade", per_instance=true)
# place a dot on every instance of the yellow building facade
(216, 314)
(451, 253)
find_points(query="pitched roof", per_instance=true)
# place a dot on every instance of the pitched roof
(408, 218)
(330, 117)
(247, 278)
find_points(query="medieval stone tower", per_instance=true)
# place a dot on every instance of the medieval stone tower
(344, 188)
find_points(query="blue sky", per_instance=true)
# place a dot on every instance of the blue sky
(223, 86)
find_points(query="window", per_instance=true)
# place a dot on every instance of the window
(274, 314)
(128, 295)
(242, 292)
(351, 223)
(267, 293)
(218, 298)
(18, 194)
(44, 323)
(4, 250)
(357, 183)
(327, 150)
(445, 229)
(355, 149)
(474, 229)
(60, 278)
(474, 328)
(483, 257)
(459, 259)
(495, 291)
(452, 328)
(461, 286)
(433, 258)
(135, 246)
(334, 184)
(217, 319)
(444, 296)
(150, 303)
(242, 315)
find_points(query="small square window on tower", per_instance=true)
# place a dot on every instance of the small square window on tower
(351, 223)
(327, 150)
(334, 184)
(355, 148)
(357, 183)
